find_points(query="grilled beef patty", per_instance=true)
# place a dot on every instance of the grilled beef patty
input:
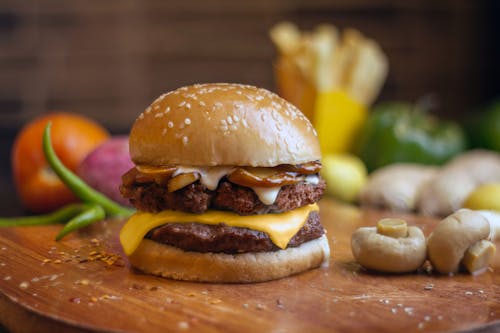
(196, 198)
(222, 238)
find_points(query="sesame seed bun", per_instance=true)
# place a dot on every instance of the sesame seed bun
(170, 262)
(222, 124)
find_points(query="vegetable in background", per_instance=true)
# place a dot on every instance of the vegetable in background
(73, 136)
(96, 206)
(104, 166)
(58, 216)
(484, 197)
(402, 132)
(484, 129)
(79, 187)
(345, 176)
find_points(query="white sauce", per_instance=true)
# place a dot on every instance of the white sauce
(312, 179)
(209, 176)
(267, 195)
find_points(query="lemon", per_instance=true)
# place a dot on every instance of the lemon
(345, 175)
(485, 197)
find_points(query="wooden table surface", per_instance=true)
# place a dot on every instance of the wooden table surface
(84, 283)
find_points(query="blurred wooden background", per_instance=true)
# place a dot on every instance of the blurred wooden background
(109, 59)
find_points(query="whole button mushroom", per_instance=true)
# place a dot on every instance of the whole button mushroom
(461, 238)
(391, 247)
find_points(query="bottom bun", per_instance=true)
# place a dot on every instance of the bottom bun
(171, 262)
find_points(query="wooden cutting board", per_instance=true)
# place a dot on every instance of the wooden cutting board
(84, 283)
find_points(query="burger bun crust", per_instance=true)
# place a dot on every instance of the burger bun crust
(222, 124)
(171, 262)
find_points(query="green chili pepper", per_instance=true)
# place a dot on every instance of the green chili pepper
(78, 186)
(59, 216)
(92, 213)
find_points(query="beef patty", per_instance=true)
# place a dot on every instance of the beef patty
(196, 198)
(222, 238)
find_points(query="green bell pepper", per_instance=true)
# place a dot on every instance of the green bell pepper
(484, 129)
(401, 132)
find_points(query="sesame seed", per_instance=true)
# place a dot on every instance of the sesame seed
(159, 115)
(202, 103)
(188, 105)
(181, 104)
(259, 98)
(167, 109)
(223, 122)
(229, 120)
(185, 140)
(187, 121)
(141, 116)
(236, 118)
(148, 109)
(170, 124)
(164, 132)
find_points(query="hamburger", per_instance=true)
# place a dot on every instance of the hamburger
(226, 183)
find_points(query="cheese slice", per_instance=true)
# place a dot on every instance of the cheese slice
(280, 227)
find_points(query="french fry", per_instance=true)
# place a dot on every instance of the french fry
(324, 43)
(294, 86)
(345, 59)
(325, 61)
(368, 73)
(287, 37)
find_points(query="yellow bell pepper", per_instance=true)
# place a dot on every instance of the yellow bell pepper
(337, 118)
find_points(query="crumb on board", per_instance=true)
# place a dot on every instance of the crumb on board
(260, 306)
(184, 325)
(94, 253)
(83, 282)
(137, 286)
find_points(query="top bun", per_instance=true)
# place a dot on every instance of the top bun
(222, 124)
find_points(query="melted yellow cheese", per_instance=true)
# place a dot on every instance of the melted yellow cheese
(280, 227)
